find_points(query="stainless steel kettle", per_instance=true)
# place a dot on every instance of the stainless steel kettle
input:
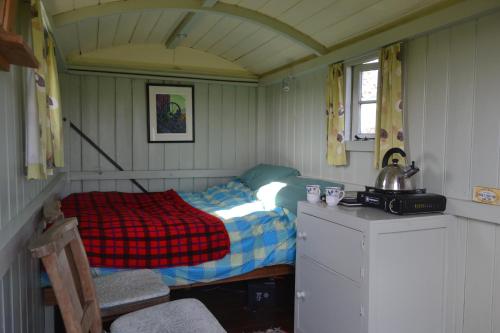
(394, 177)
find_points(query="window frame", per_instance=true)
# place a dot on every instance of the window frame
(356, 102)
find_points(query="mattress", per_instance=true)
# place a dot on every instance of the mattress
(260, 233)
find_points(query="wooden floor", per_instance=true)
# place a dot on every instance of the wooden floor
(228, 303)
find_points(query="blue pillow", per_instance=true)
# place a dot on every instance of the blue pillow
(295, 191)
(263, 174)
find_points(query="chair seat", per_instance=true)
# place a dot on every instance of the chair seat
(185, 315)
(129, 287)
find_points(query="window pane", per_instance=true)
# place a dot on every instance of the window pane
(367, 118)
(374, 61)
(369, 85)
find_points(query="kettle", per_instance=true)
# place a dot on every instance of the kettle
(394, 177)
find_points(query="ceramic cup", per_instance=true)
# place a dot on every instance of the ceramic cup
(313, 193)
(334, 195)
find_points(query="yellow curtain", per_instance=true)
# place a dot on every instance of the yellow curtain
(335, 95)
(389, 130)
(45, 147)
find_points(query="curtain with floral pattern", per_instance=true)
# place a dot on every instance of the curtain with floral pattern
(335, 111)
(389, 126)
(43, 115)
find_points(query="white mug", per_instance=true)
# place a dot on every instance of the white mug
(313, 193)
(334, 195)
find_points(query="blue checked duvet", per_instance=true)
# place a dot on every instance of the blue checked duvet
(260, 235)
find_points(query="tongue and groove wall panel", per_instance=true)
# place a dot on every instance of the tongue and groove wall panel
(112, 110)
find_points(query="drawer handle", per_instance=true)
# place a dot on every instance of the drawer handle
(302, 235)
(301, 294)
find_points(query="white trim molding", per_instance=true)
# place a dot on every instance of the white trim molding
(160, 174)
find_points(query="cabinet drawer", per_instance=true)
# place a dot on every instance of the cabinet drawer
(325, 302)
(331, 244)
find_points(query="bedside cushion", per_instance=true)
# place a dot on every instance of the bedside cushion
(129, 287)
(185, 315)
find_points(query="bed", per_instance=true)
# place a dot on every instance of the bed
(261, 229)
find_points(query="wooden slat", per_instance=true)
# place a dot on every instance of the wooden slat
(124, 130)
(217, 33)
(139, 129)
(435, 111)
(165, 25)
(485, 153)
(215, 126)
(107, 117)
(228, 127)
(107, 30)
(126, 27)
(461, 102)
(90, 126)
(145, 25)
(415, 102)
(87, 34)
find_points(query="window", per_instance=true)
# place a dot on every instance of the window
(364, 78)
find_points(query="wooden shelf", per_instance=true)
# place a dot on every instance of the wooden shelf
(15, 51)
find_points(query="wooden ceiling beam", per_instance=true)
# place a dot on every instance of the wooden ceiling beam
(210, 6)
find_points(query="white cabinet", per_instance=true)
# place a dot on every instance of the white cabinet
(363, 270)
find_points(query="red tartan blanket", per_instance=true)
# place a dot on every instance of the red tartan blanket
(145, 230)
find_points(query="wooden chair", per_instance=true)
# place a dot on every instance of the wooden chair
(62, 253)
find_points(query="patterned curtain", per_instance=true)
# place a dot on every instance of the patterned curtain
(335, 95)
(43, 114)
(389, 128)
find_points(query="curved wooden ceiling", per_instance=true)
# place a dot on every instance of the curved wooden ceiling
(240, 38)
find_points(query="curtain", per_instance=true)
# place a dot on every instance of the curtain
(335, 95)
(44, 151)
(389, 126)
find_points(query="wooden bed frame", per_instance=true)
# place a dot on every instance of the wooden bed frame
(260, 273)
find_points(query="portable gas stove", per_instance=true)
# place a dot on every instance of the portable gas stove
(402, 202)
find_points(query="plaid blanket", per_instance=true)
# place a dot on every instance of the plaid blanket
(145, 230)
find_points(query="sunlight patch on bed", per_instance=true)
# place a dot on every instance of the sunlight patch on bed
(266, 200)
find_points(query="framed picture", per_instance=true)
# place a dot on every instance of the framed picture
(170, 113)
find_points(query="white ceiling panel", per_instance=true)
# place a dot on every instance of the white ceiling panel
(145, 25)
(331, 15)
(203, 23)
(126, 27)
(279, 59)
(246, 43)
(107, 30)
(303, 10)
(275, 7)
(87, 33)
(367, 19)
(260, 37)
(241, 32)
(265, 51)
(217, 33)
(67, 39)
(58, 6)
(165, 25)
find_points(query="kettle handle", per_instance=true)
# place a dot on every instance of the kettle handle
(389, 153)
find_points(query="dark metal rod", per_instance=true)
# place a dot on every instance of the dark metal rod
(103, 153)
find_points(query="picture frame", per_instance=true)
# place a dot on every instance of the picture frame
(170, 110)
